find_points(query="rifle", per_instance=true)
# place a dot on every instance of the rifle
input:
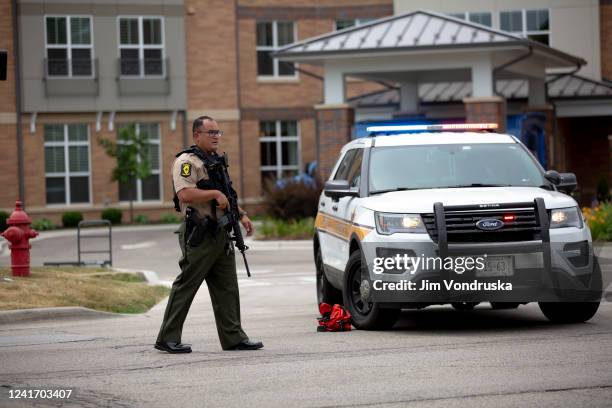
(217, 169)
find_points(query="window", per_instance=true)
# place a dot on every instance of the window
(350, 167)
(68, 46)
(141, 46)
(532, 24)
(67, 171)
(342, 24)
(483, 18)
(279, 148)
(148, 189)
(270, 37)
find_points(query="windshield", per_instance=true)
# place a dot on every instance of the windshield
(454, 165)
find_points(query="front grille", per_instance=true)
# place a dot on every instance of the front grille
(461, 225)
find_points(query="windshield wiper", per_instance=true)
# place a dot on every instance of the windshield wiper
(388, 190)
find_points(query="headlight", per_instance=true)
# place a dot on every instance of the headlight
(389, 223)
(565, 217)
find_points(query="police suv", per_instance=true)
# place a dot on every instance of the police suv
(445, 192)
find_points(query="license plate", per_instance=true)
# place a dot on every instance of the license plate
(497, 266)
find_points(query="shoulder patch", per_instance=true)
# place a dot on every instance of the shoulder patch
(185, 169)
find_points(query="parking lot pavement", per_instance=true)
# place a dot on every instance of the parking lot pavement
(434, 357)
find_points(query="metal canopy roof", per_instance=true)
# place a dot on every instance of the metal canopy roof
(414, 31)
(564, 87)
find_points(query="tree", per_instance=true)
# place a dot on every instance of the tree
(132, 153)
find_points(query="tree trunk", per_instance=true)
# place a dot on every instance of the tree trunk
(131, 206)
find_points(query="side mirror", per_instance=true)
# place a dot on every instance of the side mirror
(553, 176)
(339, 188)
(565, 182)
(568, 183)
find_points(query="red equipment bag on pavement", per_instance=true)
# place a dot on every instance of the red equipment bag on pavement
(333, 318)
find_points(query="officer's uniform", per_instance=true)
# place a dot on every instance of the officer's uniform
(207, 261)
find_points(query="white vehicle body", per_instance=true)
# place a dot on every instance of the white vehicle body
(346, 224)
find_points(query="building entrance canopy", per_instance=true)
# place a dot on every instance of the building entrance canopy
(425, 47)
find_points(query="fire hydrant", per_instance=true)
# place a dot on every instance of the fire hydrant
(18, 234)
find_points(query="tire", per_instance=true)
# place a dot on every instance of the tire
(569, 312)
(365, 314)
(504, 305)
(576, 312)
(326, 293)
(464, 306)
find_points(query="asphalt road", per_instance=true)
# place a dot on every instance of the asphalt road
(435, 357)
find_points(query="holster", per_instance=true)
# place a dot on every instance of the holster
(196, 228)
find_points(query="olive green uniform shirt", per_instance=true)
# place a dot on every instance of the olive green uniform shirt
(187, 170)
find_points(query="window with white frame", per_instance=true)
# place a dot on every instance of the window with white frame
(141, 46)
(483, 17)
(68, 43)
(279, 148)
(270, 37)
(67, 170)
(346, 23)
(148, 189)
(532, 24)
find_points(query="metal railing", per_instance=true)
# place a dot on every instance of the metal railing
(142, 67)
(70, 68)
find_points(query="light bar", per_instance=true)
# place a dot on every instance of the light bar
(449, 126)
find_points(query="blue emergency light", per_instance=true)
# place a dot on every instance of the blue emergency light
(423, 128)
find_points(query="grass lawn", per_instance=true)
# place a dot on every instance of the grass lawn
(95, 288)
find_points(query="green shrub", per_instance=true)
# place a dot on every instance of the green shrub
(3, 217)
(43, 224)
(114, 215)
(169, 218)
(71, 219)
(141, 219)
(281, 229)
(294, 201)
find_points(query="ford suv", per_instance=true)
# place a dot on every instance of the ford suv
(443, 193)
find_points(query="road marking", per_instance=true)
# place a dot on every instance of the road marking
(251, 282)
(146, 244)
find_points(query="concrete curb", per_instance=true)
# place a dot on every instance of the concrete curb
(51, 313)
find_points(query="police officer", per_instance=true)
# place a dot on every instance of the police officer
(210, 259)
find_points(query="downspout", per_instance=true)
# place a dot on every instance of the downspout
(185, 130)
(16, 53)
(238, 101)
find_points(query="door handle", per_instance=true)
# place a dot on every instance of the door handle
(335, 208)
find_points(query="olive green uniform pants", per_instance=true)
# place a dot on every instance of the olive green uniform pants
(207, 261)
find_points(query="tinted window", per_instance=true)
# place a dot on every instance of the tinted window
(345, 164)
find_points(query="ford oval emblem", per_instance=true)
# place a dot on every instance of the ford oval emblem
(489, 224)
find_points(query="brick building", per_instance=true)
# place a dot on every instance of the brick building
(539, 68)
(86, 68)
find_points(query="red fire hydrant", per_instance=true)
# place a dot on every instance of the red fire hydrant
(18, 234)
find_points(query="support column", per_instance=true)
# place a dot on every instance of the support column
(486, 110)
(409, 99)
(334, 129)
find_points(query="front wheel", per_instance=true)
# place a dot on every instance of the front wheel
(569, 312)
(365, 314)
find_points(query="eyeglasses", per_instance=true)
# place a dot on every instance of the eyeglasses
(212, 133)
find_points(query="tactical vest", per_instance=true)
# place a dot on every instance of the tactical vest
(213, 165)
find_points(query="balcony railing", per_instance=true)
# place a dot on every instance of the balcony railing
(70, 68)
(143, 68)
